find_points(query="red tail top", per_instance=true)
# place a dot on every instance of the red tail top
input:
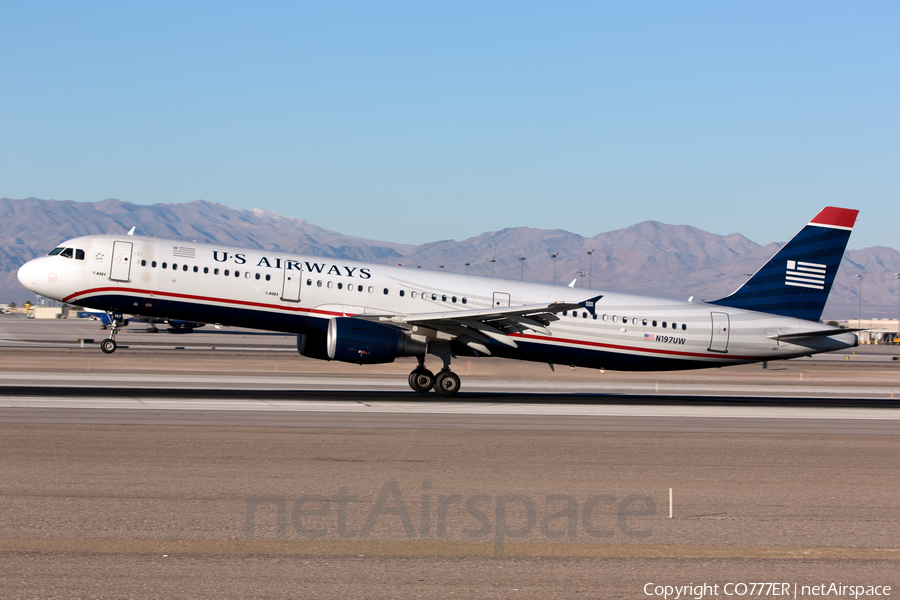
(830, 216)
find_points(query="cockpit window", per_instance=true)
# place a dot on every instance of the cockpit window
(68, 253)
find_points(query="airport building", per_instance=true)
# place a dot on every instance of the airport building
(876, 331)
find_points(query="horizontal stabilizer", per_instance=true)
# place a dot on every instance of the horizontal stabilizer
(809, 334)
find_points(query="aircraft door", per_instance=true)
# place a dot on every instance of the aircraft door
(120, 269)
(501, 299)
(720, 332)
(290, 290)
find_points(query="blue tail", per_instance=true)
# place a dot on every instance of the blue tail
(797, 280)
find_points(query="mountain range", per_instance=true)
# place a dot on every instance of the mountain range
(670, 261)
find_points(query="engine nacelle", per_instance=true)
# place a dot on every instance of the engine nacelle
(313, 345)
(368, 343)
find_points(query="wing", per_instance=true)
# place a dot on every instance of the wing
(478, 328)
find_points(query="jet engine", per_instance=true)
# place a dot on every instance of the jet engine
(367, 343)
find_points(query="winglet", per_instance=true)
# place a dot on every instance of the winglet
(590, 304)
(131, 231)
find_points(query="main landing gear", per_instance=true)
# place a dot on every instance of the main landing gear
(446, 383)
(108, 346)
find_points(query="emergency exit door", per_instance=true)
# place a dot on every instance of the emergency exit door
(290, 290)
(120, 269)
(720, 332)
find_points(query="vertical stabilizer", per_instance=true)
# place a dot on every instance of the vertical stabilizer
(797, 280)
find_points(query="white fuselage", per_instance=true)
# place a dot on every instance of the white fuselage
(300, 294)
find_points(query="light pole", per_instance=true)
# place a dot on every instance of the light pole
(859, 300)
(581, 274)
(493, 260)
(467, 268)
(553, 256)
(591, 269)
(522, 268)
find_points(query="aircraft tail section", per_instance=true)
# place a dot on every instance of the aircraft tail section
(797, 280)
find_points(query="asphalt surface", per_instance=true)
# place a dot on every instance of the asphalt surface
(538, 484)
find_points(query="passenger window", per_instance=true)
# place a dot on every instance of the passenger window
(664, 324)
(268, 277)
(257, 276)
(329, 284)
(143, 263)
(165, 265)
(174, 267)
(196, 269)
(565, 313)
(153, 264)
(371, 289)
(79, 255)
(584, 315)
(654, 323)
(319, 283)
(360, 288)
(644, 322)
(385, 291)
(205, 270)
(340, 286)
(402, 293)
(412, 294)
(184, 268)
(464, 300)
(237, 273)
(247, 275)
(309, 282)
(674, 325)
(615, 319)
(453, 299)
(605, 317)
(226, 272)
(215, 271)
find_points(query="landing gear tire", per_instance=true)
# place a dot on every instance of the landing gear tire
(421, 380)
(447, 383)
(108, 346)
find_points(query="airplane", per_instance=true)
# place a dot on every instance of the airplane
(367, 313)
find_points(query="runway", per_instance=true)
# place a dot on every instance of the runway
(248, 471)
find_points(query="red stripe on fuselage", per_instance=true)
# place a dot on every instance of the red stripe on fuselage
(155, 293)
(298, 309)
(633, 349)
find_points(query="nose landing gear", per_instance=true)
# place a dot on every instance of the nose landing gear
(108, 346)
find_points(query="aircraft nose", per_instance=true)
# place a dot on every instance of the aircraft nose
(28, 275)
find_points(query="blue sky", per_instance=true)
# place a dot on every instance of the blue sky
(422, 121)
